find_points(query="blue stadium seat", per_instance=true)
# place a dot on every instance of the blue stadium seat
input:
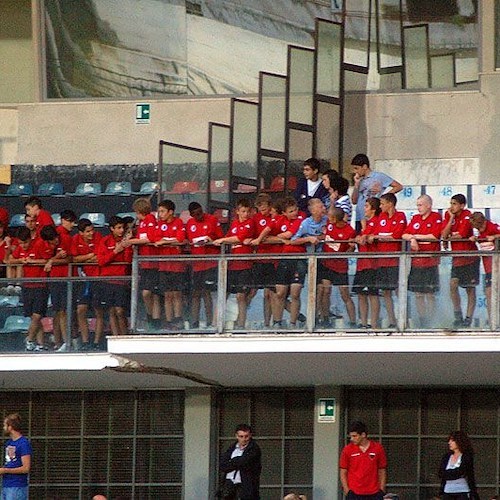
(97, 218)
(149, 187)
(50, 189)
(57, 219)
(9, 300)
(127, 214)
(88, 189)
(18, 189)
(17, 220)
(16, 324)
(123, 188)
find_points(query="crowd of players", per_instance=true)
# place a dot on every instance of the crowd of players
(316, 219)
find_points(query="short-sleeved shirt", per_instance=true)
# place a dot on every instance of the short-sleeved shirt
(292, 226)
(146, 231)
(44, 218)
(491, 229)
(392, 227)
(80, 247)
(432, 224)
(35, 251)
(198, 232)
(336, 242)
(14, 451)
(362, 467)
(364, 190)
(242, 230)
(311, 227)
(461, 225)
(173, 229)
(363, 264)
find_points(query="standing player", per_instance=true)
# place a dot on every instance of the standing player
(114, 255)
(170, 236)
(390, 226)
(489, 232)
(240, 279)
(464, 269)
(202, 230)
(84, 251)
(33, 206)
(423, 233)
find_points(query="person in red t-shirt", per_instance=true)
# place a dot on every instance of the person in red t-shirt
(240, 278)
(339, 238)
(489, 232)
(201, 231)
(423, 233)
(363, 466)
(291, 273)
(366, 269)
(464, 269)
(114, 255)
(4, 217)
(170, 237)
(84, 251)
(33, 206)
(58, 252)
(150, 278)
(390, 226)
(31, 254)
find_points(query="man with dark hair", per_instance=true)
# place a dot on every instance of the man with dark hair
(310, 186)
(464, 270)
(363, 466)
(18, 452)
(33, 206)
(241, 466)
(368, 184)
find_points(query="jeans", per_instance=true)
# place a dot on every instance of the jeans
(15, 493)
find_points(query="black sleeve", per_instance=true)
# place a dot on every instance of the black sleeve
(250, 457)
(225, 460)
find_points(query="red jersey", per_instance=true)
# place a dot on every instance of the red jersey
(147, 231)
(392, 227)
(332, 233)
(491, 229)
(80, 247)
(461, 225)
(198, 233)
(58, 270)
(286, 225)
(242, 230)
(362, 264)
(4, 217)
(173, 229)
(43, 219)
(363, 466)
(107, 259)
(3, 250)
(432, 224)
(36, 250)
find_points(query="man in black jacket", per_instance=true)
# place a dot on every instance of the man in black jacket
(241, 466)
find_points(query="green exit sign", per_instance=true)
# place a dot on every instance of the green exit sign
(143, 113)
(326, 409)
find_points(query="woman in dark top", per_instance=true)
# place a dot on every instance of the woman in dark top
(457, 469)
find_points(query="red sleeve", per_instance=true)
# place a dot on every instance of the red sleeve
(344, 459)
(247, 232)
(464, 228)
(180, 234)
(104, 254)
(400, 226)
(382, 464)
(4, 217)
(217, 229)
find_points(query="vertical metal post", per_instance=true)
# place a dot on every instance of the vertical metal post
(134, 300)
(404, 266)
(495, 288)
(312, 268)
(221, 292)
(69, 309)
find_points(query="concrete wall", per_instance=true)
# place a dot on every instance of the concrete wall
(105, 132)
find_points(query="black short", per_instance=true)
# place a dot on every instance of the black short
(58, 296)
(172, 282)
(424, 279)
(240, 281)
(35, 301)
(150, 280)
(334, 277)
(264, 274)
(205, 280)
(468, 275)
(291, 272)
(388, 278)
(111, 295)
(364, 282)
